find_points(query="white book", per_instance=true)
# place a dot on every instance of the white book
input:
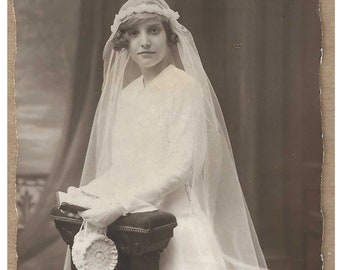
(75, 203)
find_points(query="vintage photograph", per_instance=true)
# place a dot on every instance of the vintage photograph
(168, 134)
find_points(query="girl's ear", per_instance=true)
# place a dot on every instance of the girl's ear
(172, 38)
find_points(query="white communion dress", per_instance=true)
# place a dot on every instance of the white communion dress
(166, 145)
(152, 157)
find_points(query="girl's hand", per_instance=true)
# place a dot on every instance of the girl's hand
(103, 213)
(73, 191)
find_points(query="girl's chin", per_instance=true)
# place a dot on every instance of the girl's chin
(149, 61)
(148, 64)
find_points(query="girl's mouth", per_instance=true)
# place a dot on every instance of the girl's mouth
(144, 53)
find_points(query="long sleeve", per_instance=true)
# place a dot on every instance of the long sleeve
(176, 170)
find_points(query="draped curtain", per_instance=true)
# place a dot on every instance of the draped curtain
(39, 245)
(262, 58)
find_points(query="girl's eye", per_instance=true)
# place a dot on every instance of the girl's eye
(154, 30)
(132, 33)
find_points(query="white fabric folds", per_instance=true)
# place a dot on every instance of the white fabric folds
(210, 177)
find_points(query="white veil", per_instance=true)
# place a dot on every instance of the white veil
(215, 181)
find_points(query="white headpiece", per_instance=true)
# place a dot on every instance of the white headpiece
(215, 179)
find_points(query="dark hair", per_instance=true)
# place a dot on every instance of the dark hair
(121, 41)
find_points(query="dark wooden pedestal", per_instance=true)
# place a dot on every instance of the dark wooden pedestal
(140, 237)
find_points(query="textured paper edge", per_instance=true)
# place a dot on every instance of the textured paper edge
(327, 99)
(11, 140)
(327, 110)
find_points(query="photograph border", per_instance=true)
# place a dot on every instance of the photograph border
(327, 110)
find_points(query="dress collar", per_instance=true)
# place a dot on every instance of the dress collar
(156, 78)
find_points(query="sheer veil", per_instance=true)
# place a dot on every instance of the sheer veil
(215, 182)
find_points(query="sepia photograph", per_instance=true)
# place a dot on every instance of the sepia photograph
(168, 134)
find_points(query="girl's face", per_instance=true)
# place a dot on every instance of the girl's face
(147, 42)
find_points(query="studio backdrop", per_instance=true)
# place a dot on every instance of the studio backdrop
(262, 58)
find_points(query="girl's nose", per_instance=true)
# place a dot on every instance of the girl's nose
(145, 41)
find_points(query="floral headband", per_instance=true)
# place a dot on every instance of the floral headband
(124, 14)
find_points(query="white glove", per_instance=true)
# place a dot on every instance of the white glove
(74, 191)
(103, 213)
(106, 210)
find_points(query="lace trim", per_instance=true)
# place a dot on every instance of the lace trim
(124, 14)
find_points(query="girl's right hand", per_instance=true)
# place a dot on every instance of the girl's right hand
(103, 213)
(73, 191)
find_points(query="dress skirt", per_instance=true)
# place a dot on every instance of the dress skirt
(194, 245)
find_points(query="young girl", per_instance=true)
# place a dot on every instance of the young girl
(159, 141)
